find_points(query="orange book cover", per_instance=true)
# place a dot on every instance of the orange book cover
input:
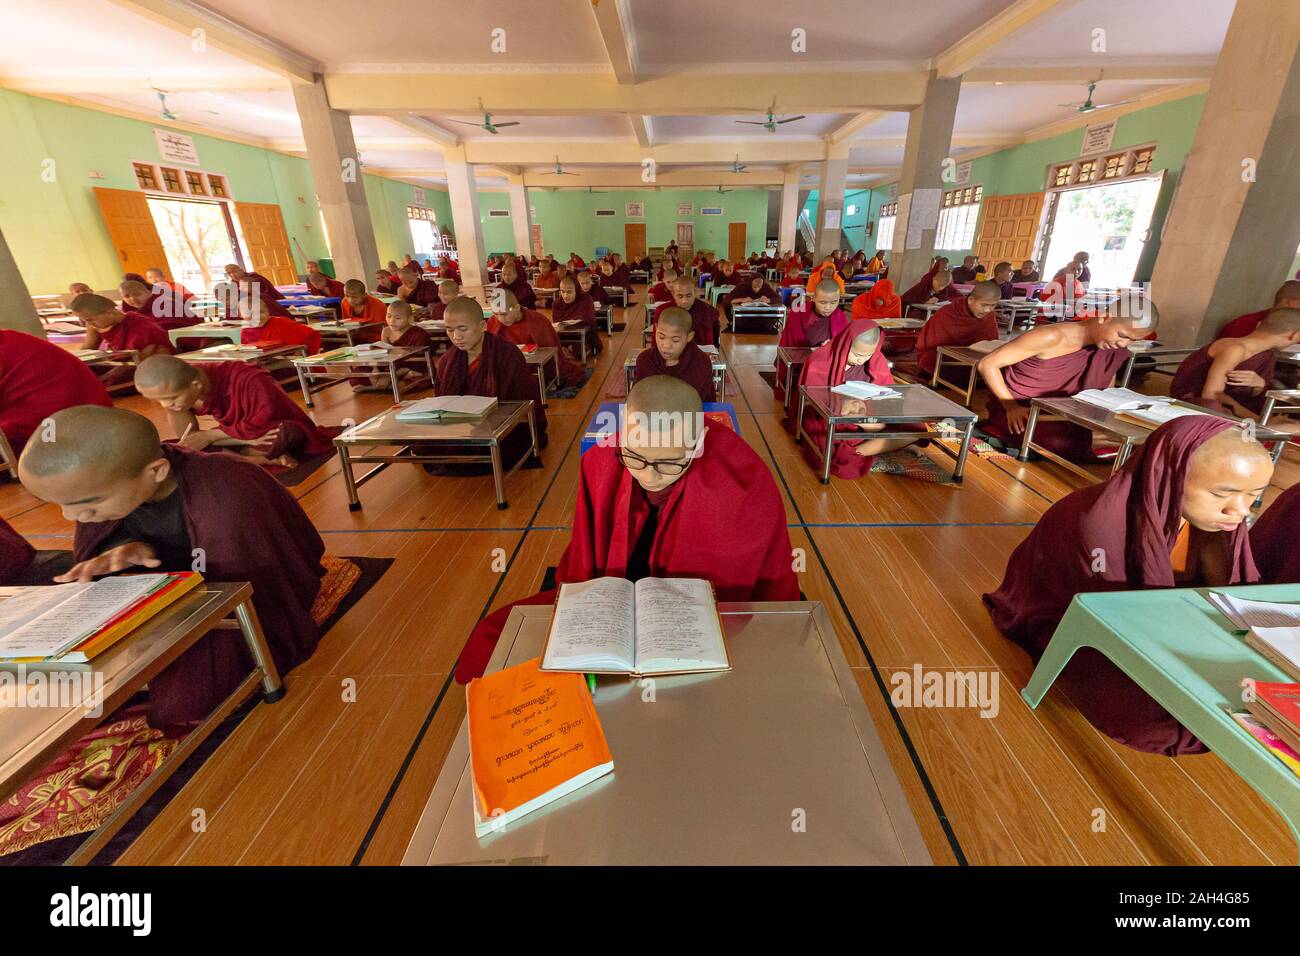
(181, 583)
(534, 736)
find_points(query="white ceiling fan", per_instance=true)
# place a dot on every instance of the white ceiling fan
(1087, 106)
(560, 170)
(166, 112)
(771, 123)
(487, 123)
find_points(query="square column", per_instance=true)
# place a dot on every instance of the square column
(520, 216)
(789, 225)
(920, 185)
(830, 199)
(463, 192)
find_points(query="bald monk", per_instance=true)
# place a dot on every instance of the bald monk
(932, 290)
(37, 379)
(1273, 539)
(245, 284)
(448, 289)
(513, 323)
(725, 274)
(385, 282)
(140, 505)
(663, 502)
(1173, 516)
(1232, 375)
(1065, 289)
(1286, 297)
(965, 273)
(1002, 276)
(854, 355)
(318, 283)
(547, 278)
(488, 365)
(752, 290)
(573, 305)
(156, 278)
(78, 288)
(964, 321)
(111, 330)
(1028, 272)
(165, 307)
(514, 282)
(878, 302)
(662, 290)
(358, 305)
(588, 284)
(262, 327)
(448, 268)
(675, 353)
(415, 290)
(809, 328)
(708, 327)
(876, 264)
(399, 331)
(255, 417)
(259, 283)
(1058, 360)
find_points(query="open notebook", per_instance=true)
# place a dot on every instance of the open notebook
(1153, 416)
(655, 626)
(1120, 399)
(865, 390)
(447, 408)
(1272, 628)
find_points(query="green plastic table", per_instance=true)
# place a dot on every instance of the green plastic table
(1178, 648)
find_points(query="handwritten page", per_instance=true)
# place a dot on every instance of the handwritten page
(677, 625)
(71, 621)
(594, 627)
(1247, 614)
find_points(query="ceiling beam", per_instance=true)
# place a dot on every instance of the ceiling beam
(566, 94)
(630, 178)
(642, 129)
(614, 22)
(186, 17)
(629, 153)
(974, 46)
(1083, 73)
(855, 125)
(428, 129)
(116, 82)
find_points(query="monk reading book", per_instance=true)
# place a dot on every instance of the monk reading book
(1002, 276)
(662, 291)
(262, 327)
(37, 379)
(358, 305)
(1286, 297)
(1173, 516)
(965, 273)
(878, 302)
(259, 283)
(385, 282)
(662, 502)
(319, 283)
(963, 321)
(1232, 375)
(140, 504)
(158, 280)
(1027, 272)
(414, 290)
(546, 276)
(934, 288)
(675, 353)
(587, 283)
(400, 331)
(1060, 360)
(753, 290)
(1273, 539)
(513, 281)
(111, 330)
(708, 328)
(826, 272)
(809, 328)
(573, 305)
(255, 416)
(513, 323)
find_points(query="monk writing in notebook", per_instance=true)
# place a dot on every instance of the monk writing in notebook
(933, 289)
(574, 305)
(513, 323)
(1173, 516)
(963, 321)
(140, 505)
(111, 330)
(662, 501)
(1060, 360)
(415, 290)
(1232, 375)
(262, 327)
(1273, 539)
(708, 328)
(37, 379)
(255, 417)
(675, 353)
(1286, 297)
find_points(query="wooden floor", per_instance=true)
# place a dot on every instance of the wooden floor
(899, 563)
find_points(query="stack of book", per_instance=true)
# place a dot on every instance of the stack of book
(447, 408)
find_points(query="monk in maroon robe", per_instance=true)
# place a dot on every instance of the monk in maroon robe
(752, 290)
(1286, 297)
(573, 305)
(675, 353)
(259, 283)
(1173, 516)
(933, 288)
(414, 290)
(588, 284)
(139, 504)
(320, 284)
(1273, 539)
(16, 554)
(160, 304)
(262, 327)
(708, 328)
(248, 404)
(525, 327)
(37, 379)
(963, 321)
(448, 289)
(1232, 375)
(662, 291)
(1059, 360)
(113, 331)
(514, 282)
(663, 502)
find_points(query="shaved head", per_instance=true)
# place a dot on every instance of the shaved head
(676, 318)
(91, 304)
(1136, 311)
(828, 285)
(986, 291)
(450, 285)
(682, 282)
(1288, 293)
(164, 372)
(1281, 321)
(1224, 477)
(353, 287)
(942, 278)
(92, 445)
(870, 338)
(465, 308)
(132, 287)
(664, 394)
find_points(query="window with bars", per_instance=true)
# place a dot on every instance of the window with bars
(171, 179)
(217, 186)
(196, 184)
(1114, 166)
(1087, 171)
(144, 175)
(1132, 162)
(1061, 176)
(184, 182)
(1142, 159)
(420, 213)
(958, 218)
(885, 228)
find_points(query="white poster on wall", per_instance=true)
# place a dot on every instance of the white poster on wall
(963, 173)
(634, 210)
(417, 195)
(924, 214)
(176, 147)
(832, 218)
(1097, 138)
(685, 209)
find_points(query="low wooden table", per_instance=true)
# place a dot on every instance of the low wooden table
(275, 357)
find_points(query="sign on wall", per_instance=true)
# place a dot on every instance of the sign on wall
(963, 173)
(710, 210)
(1097, 138)
(498, 213)
(606, 213)
(685, 209)
(923, 214)
(176, 147)
(417, 196)
(832, 219)
(634, 210)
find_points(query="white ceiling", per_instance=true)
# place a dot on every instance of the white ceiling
(102, 53)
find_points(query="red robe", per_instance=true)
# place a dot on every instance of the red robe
(807, 329)
(424, 293)
(705, 322)
(1133, 517)
(535, 329)
(499, 372)
(167, 307)
(1064, 375)
(37, 379)
(285, 332)
(275, 547)
(16, 554)
(695, 368)
(268, 287)
(333, 288)
(878, 302)
(1195, 369)
(696, 534)
(661, 293)
(1242, 325)
(522, 290)
(952, 325)
(136, 331)
(247, 403)
(583, 309)
(1273, 539)
(924, 290)
(746, 290)
(826, 367)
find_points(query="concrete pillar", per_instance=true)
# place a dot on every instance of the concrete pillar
(520, 216)
(332, 153)
(17, 311)
(1232, 231)
(789, 226)
(830, 199)
(463, 192)
(920, 184)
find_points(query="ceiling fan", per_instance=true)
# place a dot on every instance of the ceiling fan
(771, 123)
(166, 112)
(594, 192)
(736, 166)
(560, 170)
(721, 190)
(487, 123)
(1087, 106)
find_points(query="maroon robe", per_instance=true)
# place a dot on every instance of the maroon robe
(533, 328)
(437, 311)
(1195, 369)
(1065, 375)
(919, 294)
(599, 295)
(273, 307)
(333, 288)
(1133, 518)
(267, 287)
(807, 329)
(424, 293)
(583, 309)
(278, 330)
(618, 277)
(499, 372)
(746, 291)
(16, 554)
(660, 291)
(271, 543)
(37, 379)
(826, 367)
(167, 308)
(135, 332)
(522, 290)
(695, 368)
(247, 402)
(1242, 325)
(704, 319)
(952, 325)
(1275, 539)
(695, 532)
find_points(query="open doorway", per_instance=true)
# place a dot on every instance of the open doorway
(1110, 221)
(198, 239)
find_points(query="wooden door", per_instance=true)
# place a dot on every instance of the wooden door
(267, 242)
(131, 227)
(634, 241)
(537, 239)
(736, 241)
(1009, 229)
(685, 242)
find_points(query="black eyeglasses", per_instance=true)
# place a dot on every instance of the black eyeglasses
(668, 469)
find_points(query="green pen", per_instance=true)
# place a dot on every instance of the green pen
(591, 684)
